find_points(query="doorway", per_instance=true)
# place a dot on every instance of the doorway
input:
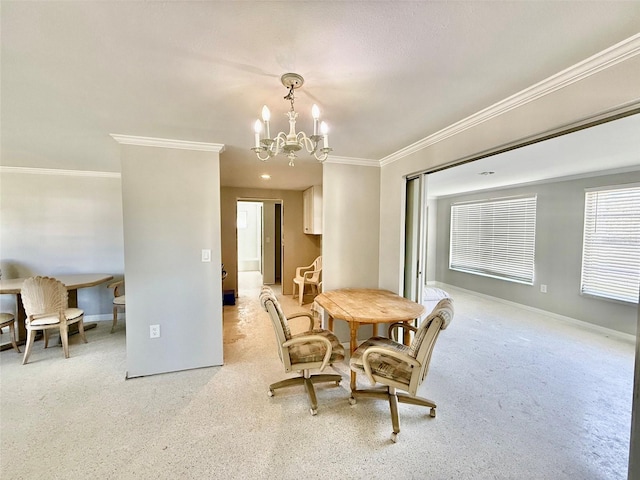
(259, 244)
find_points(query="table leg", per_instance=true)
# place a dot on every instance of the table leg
(21, 316)
(353, 344)
(73, 303)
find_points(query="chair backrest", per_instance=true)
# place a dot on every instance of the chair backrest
(271, 305)
(425, 339)
(43, 295)
(279, 321)
(317, 270)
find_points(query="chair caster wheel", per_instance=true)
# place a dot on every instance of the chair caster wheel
(432, 413)
(314, 411)
(270, 393)
(352, 401)
(394, 437)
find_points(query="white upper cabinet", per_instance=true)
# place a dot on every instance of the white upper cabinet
(312, 199)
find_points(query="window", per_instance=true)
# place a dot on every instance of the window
(611, 250)
(494, 238)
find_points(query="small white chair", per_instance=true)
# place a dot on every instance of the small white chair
(309, 275)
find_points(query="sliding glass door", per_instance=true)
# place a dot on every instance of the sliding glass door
(415, 237)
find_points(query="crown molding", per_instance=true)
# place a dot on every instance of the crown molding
(59, 172)
(363, 162)
(610, 57)
(167, 143)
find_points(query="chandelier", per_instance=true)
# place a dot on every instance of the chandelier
(291, 143)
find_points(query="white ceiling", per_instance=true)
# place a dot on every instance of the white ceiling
(385, 74)
(609, 147)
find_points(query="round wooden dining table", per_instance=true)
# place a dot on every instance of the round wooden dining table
(366, 306)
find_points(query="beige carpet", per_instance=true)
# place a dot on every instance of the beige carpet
(520, 396)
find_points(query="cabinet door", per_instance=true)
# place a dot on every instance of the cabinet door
(307, 198)
(312, 222)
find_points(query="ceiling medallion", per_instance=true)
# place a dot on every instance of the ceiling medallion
(291, 143)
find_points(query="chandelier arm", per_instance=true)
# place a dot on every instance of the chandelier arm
(309, 144)
(259, 151)
(278, 143)
(323, 156)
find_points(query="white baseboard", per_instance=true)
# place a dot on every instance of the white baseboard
(572, 321)
(103, 317)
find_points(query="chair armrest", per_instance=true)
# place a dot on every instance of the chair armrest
(299, 270)
(389, 353)
(117, 285)
(313, 338)
(310, 274)
(394, 326)
(302, 314)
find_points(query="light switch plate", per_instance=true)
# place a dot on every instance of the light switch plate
(206, 255)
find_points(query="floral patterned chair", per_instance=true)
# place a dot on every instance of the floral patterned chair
(303, 352)
(397, 366)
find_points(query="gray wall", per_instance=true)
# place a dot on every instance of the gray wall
(171, 205)
(55, 222)
(558, 256)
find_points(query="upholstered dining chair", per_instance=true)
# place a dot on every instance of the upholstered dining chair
(400, 367)
(46, 304)
(118, 300)
(308, 275)
(310, 350)
(9, 320)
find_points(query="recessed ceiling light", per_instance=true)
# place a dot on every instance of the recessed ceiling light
(265, 176)
(486, 173)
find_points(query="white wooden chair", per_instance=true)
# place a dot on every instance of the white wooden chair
(9, 320)
(308, 275)
(46, 303)
(118, 300)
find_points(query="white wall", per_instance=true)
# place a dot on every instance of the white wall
(351, 229)
(59, 222)
(171, 205)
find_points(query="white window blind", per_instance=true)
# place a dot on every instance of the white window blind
(495, 238)
(611, 250)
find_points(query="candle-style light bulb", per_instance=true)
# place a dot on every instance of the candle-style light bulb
(324, 128)
(266, 114)
(315, 113)
(257, 128)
